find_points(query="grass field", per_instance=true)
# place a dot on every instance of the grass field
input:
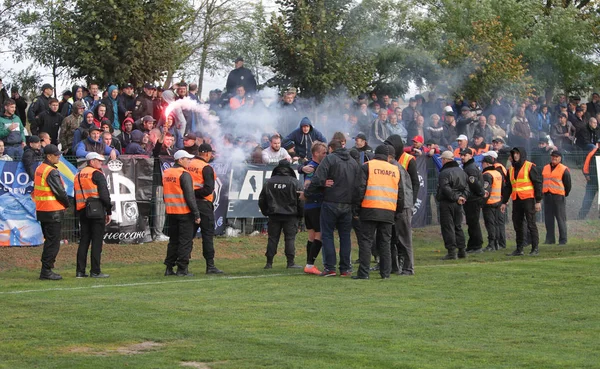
(488, 311)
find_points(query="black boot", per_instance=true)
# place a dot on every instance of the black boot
(462, 254)
(169, 271)
(395, 265)
(451, 255)
(518, 252)
(534, 251)
(292, 265)
(183, 272)
(48, 274)
(211, 268)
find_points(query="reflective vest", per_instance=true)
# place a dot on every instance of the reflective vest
(195, 168)
(553, 179)
(235, 103)
(382, 186)
(87, 189)
(42, 194)
(522, 185)
(173, 194)
(588, 160)
(405, 158)
(496, 190)
(502, 168)
(481, 150)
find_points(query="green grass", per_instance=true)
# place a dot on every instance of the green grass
(489, 311)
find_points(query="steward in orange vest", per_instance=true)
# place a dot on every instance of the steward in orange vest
(182, 213)
(591, 187)
(203, 176)
(556, 187)
(407, 161)
(90, 183)
(381, 194)
(493, 182)
(51, 201)
(525, 189)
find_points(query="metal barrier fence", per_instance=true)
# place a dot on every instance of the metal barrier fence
(574, 161)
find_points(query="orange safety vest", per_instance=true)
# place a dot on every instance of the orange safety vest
(405, 158)
(553, 179)
(87, 189)
(382, 186)
(234, 103)
(44, 198)
(522, 185)
(172, 192)
(496, 190)
(502, 168)
(482, 150)
(588, 159)
(195, 168)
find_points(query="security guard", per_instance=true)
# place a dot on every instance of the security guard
(556, 187)
(501, 220)
(492, 183)
(51, 201)
(90, 183)
(452, 193)
(525, 189)
(182, 213)
(379, 198)
(473, 205)
(204, 177)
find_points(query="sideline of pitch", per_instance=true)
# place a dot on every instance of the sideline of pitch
(195, 280)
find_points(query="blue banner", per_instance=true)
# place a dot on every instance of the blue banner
(18, 223)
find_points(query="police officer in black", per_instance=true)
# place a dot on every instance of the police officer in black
(240, 76)
(452, 193)
(280, 201)
(473, 205)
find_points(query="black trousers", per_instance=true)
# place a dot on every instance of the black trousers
(491, 218)
(92, 231)
(523, 215)
(51, 231)
(402, 239)
(451, 224)
(555, 207)
(207, 228)
(472, 213)
(181, 236)
(369, 232)
(501, 228)
(289, 226)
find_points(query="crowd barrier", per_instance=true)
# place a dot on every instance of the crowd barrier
(138, 208)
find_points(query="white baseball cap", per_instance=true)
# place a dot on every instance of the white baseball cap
(448, 109)
(94, 155)
(491, 153)
(462, 137)
(180, 154)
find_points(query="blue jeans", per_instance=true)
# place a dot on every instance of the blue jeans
(336, 215)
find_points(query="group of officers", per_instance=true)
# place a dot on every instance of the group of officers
(188, 194)
(375, 199)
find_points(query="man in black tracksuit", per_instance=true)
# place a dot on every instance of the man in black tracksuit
(40, 104)
(473, 205)
(527, 197)
(49, 122)
(279, 200)
(143, 103)
(452, 193)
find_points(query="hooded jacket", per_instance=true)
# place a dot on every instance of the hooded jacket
(396, 142)
(68, 127)
(67, 108)
(279, 196)
(179, 121)
(534, 176)
(346, 174)
(125, 137)
(112, 108)
(48, 122)
(303, 142)
(452, 183)
(135, 146)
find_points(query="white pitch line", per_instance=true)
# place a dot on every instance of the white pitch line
(140, 284)
(524, 258)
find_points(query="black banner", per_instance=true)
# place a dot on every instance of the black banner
(419, 218)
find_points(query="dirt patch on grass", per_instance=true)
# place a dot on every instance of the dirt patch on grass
(131, 349)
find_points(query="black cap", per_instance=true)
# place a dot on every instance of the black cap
(189, 136)
(148, 118)
(94, 128)
(579, 108)
(488, 159)
(543, 139)
(563, 105)
(466, 151)
(556, 153)
(412, 99)
(381, 150)
(129, 85)
(149, 86)
(362, 96)
(361, 136)
(34, 139)
(46, 86)
(67, 92)
(205, 148)
(239, 59)
(51, 150)
(476, 135)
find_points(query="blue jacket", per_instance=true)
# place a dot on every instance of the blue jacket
(303, 142)
(81, 150)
